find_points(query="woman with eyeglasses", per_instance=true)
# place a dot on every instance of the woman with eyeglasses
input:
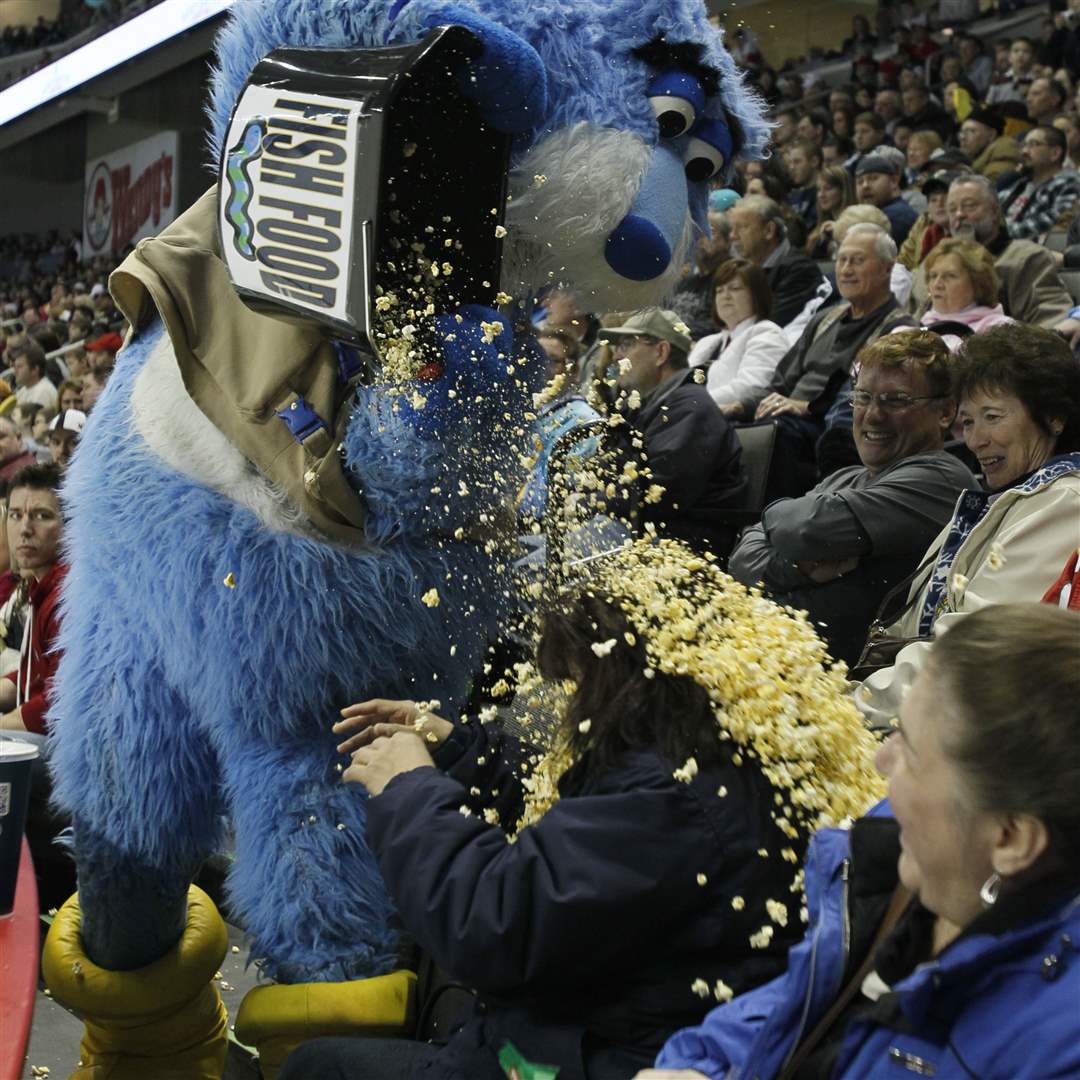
(741, 359)
(1018, 389)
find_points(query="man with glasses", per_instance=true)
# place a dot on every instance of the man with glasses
(686, 457)
(838, 549)
(1044, 193)
(1031, 290)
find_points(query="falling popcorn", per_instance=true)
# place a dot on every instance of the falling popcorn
(778, 912)
(699, 375)
(503, 298)
(682, 328)
(625, 364)
(738, 903)
(687, 772)
(430, 598)
(959, 582)
(490, 331)
(702, 879)
(602, 648)
(408, 149)
(584, 726)
(500, 231)
(761, 939)
(230, 580)
(700, 987)
(539, 180)
(722, 992)
(996, 559)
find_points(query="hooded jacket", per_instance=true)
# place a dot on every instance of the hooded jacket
(38, 659)
(999, 1003)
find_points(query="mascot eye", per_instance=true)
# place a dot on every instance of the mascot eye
(709, 150)
(677, 100)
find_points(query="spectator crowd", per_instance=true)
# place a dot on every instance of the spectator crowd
(862, 400)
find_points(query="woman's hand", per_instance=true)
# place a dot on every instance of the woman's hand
(370, 720)
(376, 765)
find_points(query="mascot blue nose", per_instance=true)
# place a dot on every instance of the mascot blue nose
(640, 247)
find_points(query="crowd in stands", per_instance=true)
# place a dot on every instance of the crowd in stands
(46, 40)
(877, 304)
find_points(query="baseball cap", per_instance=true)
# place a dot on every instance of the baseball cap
(942, 180)
(110, 342)
(722, 199)
(877, 163)
(991, 118)
(659, 323)
(68, 420)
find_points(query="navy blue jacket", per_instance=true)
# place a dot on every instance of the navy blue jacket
(585, 936)
(998, 1003)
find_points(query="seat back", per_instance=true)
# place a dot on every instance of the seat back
(1071, 280)
(758, 442)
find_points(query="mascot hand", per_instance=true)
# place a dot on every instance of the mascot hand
(476, 344)
(507, 80)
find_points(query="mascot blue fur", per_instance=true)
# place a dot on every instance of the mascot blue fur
(210, 634)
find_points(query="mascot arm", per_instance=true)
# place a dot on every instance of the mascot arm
(507, 81)
(429, 459)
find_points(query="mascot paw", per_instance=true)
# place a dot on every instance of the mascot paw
(507, 81)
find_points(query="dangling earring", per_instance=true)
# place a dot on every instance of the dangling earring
(988, 894)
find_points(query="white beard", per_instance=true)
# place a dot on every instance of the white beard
(558, 229)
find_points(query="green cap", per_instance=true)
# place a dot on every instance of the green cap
(659, 323)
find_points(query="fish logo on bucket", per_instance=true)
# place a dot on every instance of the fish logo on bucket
(286, 211)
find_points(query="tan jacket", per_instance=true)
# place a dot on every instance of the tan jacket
(242, 368)
(1000, 157)
(1031, 290)
(1033, 534)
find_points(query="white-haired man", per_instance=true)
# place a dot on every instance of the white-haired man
(819, 364)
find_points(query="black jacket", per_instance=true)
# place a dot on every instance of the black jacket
(585, 936)
(694, 454)
(793, 280)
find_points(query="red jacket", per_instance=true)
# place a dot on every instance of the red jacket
(39, 658)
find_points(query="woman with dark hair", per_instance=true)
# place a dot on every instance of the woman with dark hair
(945, 927)
(835, 193)
(1018, 388)
(741, 359)
(650, 861)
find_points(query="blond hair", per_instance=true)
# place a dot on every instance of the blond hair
(977, 261)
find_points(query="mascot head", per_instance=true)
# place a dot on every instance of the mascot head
(610, 178)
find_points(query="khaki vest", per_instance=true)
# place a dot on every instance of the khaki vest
(242, 368)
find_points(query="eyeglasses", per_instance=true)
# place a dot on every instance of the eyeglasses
(624, 342)
(863, 399)
(1036, 142)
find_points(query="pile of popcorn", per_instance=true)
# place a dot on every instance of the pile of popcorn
(775, 692)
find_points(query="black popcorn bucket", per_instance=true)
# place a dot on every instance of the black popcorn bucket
(346, 174)
(16, 762)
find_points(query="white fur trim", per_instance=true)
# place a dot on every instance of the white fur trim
(179, 433)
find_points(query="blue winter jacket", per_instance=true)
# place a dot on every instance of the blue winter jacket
(585, 937)
(991, 1006)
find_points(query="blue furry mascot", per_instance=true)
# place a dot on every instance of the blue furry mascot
(265, 525)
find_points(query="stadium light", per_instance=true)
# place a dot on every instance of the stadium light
(136, 36)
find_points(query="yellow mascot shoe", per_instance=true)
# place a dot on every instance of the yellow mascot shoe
(164, 1021)
(277, 1018)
